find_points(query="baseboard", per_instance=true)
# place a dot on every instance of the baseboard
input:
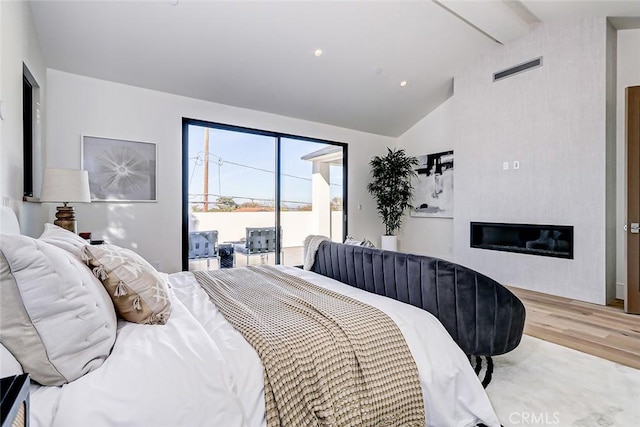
(620, 291)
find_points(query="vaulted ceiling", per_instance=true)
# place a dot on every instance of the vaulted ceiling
(260, 55)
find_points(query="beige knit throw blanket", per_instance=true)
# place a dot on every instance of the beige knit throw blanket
(329, 360)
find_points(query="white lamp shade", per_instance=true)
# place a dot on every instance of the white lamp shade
(65, 186)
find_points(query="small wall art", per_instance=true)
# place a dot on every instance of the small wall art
(120, 170)
(433, 195)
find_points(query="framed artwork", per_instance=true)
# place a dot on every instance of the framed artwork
(433, 195)
(120, 170)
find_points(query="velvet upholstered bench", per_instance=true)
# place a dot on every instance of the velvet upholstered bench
(483, 317)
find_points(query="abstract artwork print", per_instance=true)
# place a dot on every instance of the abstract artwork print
(433, 185)
(120, 170)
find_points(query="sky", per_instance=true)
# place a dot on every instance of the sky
(245, 165)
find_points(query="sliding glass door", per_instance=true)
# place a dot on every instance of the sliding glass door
(251, 197)
(312, 193)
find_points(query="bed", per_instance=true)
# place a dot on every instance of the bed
(193, 368)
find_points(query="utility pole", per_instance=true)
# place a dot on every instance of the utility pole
(220, 162)
(205, 205)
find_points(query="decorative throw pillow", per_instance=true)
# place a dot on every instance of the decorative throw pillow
(367, 244)
(138, 291)
(351, 241)
(55, 317)
(64, 239)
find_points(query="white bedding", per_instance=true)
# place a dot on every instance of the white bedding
(198, 371)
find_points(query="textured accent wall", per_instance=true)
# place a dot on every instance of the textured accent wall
(552, 120)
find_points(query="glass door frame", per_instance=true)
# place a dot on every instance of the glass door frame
(186, 122)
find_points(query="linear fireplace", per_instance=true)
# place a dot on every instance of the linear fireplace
(533, 239)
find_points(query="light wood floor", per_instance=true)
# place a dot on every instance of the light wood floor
(604, 331)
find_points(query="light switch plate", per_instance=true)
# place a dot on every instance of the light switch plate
(516, 164)
(505, 166)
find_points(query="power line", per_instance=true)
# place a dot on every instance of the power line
(253, 199)
(194, 195)
(199, 161)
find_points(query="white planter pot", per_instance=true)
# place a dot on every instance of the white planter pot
(389, 243)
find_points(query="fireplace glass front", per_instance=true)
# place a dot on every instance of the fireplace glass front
(533, 239)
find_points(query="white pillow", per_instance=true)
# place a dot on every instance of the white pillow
(351, 241)
(365, 243)
(55, 317)
(9, 366)
(63, 239)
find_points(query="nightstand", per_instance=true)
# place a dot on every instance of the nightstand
(14, 401)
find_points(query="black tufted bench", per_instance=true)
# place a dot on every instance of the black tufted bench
(482, 316)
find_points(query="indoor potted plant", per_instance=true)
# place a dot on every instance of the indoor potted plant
(392, 188)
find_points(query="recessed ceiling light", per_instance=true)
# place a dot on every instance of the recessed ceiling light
(403, 83)
(173, 2)
(318, 52)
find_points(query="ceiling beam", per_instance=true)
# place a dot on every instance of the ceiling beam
(494, 18)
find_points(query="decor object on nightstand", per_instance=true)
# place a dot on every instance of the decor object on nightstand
(392, 188)
(65, 186)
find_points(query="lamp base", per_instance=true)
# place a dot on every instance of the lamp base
(66, 218)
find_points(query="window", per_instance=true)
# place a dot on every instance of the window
(258, 194)
(27, 131)
(30, 102)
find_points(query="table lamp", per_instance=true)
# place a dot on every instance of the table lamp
(65, 186)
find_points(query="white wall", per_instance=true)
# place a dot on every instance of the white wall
(628, 75)
(80, 105)
(429, 236)
(553, 121)
(19, 44)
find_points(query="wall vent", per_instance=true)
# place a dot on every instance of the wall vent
(517, 69)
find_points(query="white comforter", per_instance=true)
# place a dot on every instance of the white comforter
(198, 371)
